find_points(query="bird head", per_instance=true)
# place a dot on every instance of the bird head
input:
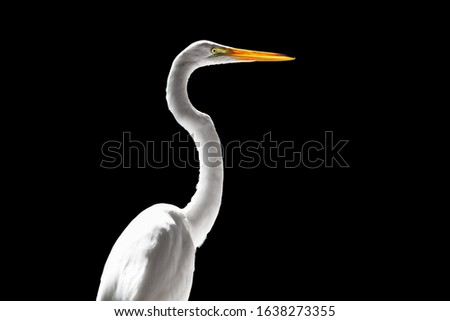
(205, 53)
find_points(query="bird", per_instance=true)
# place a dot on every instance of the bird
(153, 259)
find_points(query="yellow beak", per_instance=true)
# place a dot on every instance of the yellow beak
(252, 55)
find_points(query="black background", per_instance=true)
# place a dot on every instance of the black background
(367, 232)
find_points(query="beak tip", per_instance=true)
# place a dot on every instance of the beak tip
(288, 58)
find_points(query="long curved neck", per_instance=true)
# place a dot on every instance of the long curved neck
(202, 211)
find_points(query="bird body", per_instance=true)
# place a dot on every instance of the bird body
(153, 259)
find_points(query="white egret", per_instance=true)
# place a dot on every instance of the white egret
(153, 259)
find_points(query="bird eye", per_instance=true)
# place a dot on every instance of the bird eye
(214, 50)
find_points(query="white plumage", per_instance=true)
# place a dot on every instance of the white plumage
(153, 259)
